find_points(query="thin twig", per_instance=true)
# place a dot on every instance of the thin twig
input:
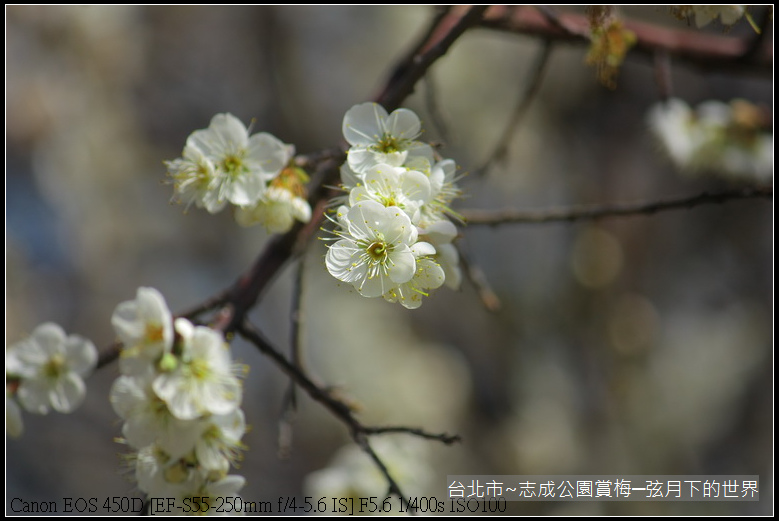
(339, 409)
(209, 304)
(362, 441)
(431, 101)
(479, 280)
(109, 354)
(525, 100)
(587, 212)
(290, 403)
(446, 439)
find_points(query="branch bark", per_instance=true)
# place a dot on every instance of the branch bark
(704, 50)
(589, 212)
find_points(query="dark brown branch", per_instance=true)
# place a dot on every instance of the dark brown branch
(290, 403)
(581, 213)
(707, 51)
(447, 29)
(109, 355)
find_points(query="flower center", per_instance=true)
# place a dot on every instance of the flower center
(388, 144)
(389, 200)
(55, 366)
(232, 165)
(377, 250)
(199, 369)
(154, 333)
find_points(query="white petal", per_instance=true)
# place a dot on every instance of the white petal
(402, 265)
(420, 249)
(364, 124)
(68, 393)
(373, 287)
(403, 124)
(81, 355)
(269, 153)
(339, 258)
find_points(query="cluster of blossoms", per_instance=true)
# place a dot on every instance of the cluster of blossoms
(705, 14)
(727, 139)
(179, 396)
(393, 233)
(257, 174)
(46, 371)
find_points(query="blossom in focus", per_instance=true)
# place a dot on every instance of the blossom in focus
(256, 173)
(376, 137)
(408, 190)
(51, 366)
(396, 190)
(374, 251)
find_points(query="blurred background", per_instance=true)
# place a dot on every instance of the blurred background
(638, 345)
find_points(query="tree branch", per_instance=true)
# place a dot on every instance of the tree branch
(588, 212)
(412, 68)
(698, 48)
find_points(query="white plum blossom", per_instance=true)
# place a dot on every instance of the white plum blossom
(148, 419)
(51, 366)
(204, 380)
(376, 137)
(429, 275)
(219, 444)
(374, 253)
(441, 234)
(277, 210)
(443, 177)
(145, 327)
(409, 190)
(223, 164)
(393, 234)
(196, 180)
(159, 474)
(244, 163)
(179, 400)
(722, 138)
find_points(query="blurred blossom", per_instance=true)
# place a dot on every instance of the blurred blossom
(724, 139)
